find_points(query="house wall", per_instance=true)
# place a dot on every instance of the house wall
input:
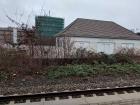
(110, 45)
(10, 35)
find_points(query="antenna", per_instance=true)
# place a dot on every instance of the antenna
(21, 15)
(49, 12)
(45, 13)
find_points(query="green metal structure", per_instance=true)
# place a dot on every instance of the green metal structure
(48, 26)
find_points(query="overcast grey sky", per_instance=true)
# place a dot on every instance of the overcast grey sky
(123, 12)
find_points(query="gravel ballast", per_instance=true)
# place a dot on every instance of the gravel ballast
(38, 84)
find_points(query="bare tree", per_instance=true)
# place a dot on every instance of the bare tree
(65, 46)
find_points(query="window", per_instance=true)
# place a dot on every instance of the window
(60, 42)
(105, 47)
(127, 45)
(82, 44)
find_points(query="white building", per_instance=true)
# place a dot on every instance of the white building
(98, 36)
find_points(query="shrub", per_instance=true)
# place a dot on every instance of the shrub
(123, 56)
(3, 76)
(93, 70)
(16, 61)
(107, 59)
(69, 70)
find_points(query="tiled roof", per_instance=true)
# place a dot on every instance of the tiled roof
(97, 29)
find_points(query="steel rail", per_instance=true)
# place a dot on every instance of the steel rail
(68, 93)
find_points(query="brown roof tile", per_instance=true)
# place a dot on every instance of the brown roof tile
(97, 29)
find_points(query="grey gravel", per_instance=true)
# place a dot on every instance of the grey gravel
(40, 84)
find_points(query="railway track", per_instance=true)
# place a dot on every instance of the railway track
(77, 97)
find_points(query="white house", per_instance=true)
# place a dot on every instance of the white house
(99, 36)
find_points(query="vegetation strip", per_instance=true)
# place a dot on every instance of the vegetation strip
(85, 70)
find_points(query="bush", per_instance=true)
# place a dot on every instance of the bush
(84, 63)
(92, 70)
(16, 61)
(123, 56)
(69, 70)
(107, 59)
(3, 76)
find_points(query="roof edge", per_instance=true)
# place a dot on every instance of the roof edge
(100, 37)
(70, 25)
